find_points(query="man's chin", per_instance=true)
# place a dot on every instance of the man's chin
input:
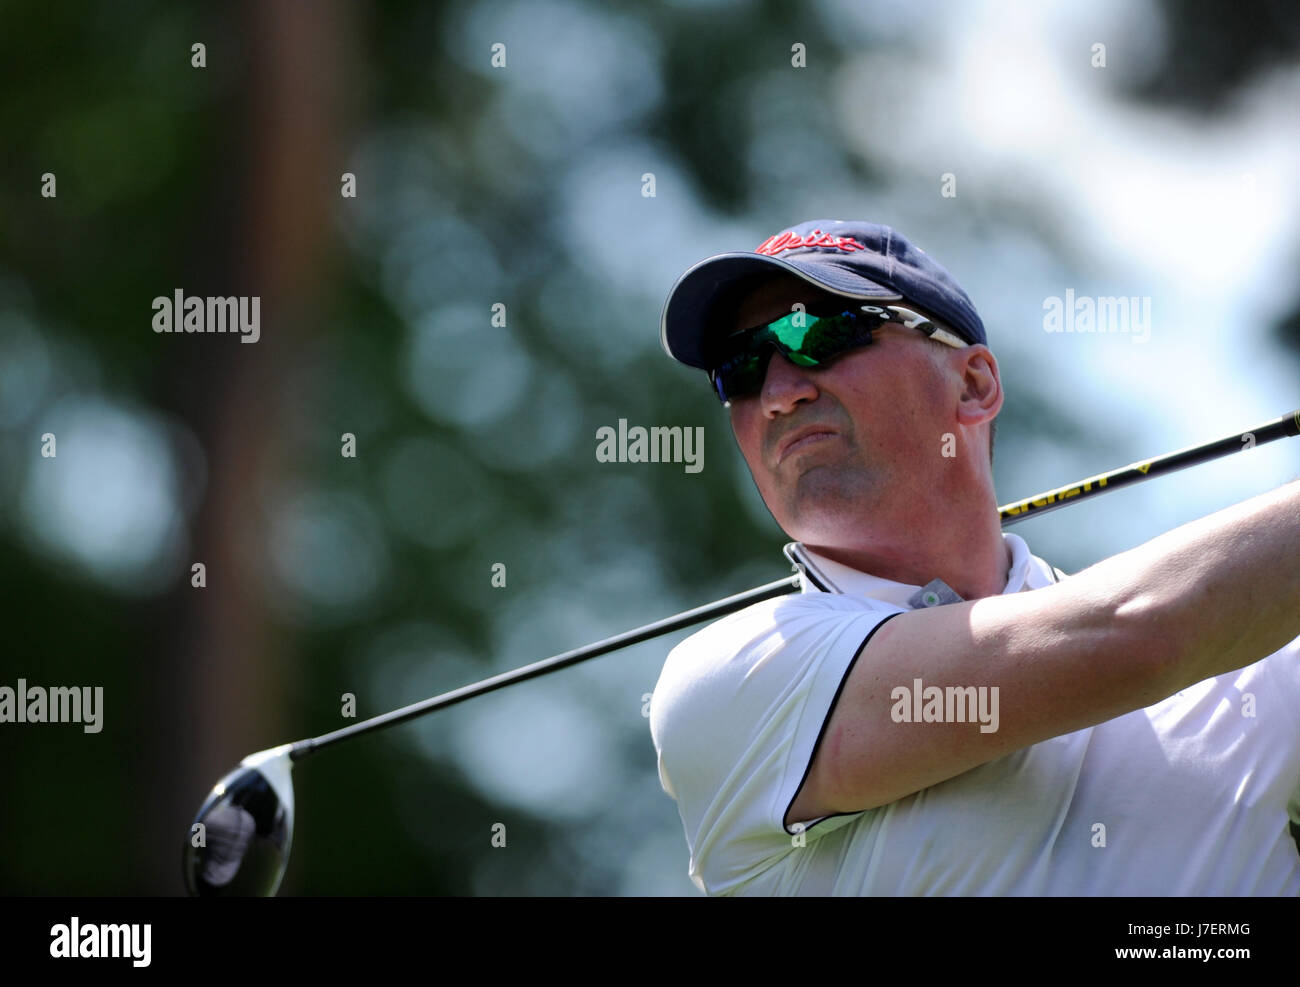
(824, 499)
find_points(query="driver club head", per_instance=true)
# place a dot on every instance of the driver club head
(239, 842)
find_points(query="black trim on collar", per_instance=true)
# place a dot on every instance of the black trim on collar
(822, 734)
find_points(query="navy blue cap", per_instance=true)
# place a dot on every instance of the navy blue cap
(850, 258)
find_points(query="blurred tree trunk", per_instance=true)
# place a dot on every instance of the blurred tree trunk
(220, 676)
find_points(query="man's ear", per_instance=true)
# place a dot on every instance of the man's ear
(981, 396)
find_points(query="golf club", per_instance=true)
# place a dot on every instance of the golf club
(239, 841)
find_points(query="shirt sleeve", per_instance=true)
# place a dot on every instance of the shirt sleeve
(736, 718)
(1284, 668)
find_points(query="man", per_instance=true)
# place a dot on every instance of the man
(939, 711)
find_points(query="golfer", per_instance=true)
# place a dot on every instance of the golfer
(940, 711)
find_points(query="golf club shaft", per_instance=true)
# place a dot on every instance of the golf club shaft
(666, 626)
(1278, 428)
(1287, 425)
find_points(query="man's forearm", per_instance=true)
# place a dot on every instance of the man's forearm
(1216, 594)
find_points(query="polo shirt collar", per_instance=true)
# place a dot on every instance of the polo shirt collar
(819, 574)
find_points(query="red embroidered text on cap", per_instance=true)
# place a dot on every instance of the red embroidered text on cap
(791, 241)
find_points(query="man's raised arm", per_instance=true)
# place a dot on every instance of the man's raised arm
(1211, 596)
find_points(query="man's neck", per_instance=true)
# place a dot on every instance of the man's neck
(974, 562)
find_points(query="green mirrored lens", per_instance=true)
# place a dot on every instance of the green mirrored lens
(806, 340)
(792, 331)
(743, 374)
(830, 337)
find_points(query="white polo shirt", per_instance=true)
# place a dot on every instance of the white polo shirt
(1191, 796)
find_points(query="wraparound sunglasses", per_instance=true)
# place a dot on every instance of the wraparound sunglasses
(809, 341)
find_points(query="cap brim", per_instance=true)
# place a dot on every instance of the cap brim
(685, 322)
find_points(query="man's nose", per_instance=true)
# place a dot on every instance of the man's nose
(785, 385)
